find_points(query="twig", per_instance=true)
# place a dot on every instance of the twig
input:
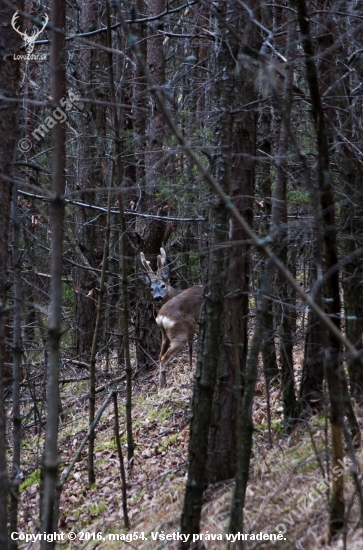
(122, 467)
(115, 210)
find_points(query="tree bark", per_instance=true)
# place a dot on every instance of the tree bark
(207, 364)
(17, 352)
(279, 229)
(352, 209)
(333, 359)
(235, 171)
(92, 369)
(9, 78)
(124, 319)
(150, 233)
(244, 419)
(49, 519)
(91, 153)
(311, 390)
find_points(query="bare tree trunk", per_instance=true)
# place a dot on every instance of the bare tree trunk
(331, 259)
(352, 210)
(235, 171)
(17, 351)
(91, 150)
(352, 273)
(122, 467)
(124, 320)
(139, 94)
(9, 79)
(155, 60)
(49, 519)
(279, 229)
(92, 370)
(266, 144)
(207, 364)
(311, 387)
(150, 233)
(244, 417)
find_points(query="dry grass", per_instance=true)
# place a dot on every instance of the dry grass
(280, 476)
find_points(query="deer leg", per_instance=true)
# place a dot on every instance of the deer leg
(165, 343)
(190, 345)
(175, 347)
(162, 378)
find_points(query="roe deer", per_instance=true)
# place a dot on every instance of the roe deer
(178, 317)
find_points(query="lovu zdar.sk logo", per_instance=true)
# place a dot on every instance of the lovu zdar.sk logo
(29, 40)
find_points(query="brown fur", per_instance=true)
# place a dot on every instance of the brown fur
(178, 320)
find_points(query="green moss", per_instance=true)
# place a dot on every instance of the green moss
(33, 479)
(161, 414)
(319, 421)
(107, 445)
(169, 440)
(97, 509)
(298, 197)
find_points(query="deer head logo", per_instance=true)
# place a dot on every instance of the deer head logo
(29, 40)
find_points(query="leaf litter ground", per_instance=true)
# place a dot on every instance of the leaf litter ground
(281, 478)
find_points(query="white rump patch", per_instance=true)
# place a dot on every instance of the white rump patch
(164, 321)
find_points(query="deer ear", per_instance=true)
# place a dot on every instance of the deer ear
(165, 273)
(144, 279)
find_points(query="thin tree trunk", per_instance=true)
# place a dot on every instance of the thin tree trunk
(49, 519)
(125, 331)
(311, 388)
(352, 276)
(279, 228)
(9, 79)
(268, 348)
(122, 467)
(139, 93)
(92, 369)
(150, 233)
(155, 59)
(124, 321)
(15, 478)
(244, 415)
(91, 153)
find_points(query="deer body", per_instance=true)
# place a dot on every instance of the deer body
(179, 315)
(178, 321)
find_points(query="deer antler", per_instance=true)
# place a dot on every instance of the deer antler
(161, 263)
(147, 267)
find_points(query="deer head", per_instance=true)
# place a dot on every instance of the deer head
(30, 40)
(159, 281)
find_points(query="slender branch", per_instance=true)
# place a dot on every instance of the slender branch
(117, 25)
(114, 210)
(100, 309)
(122, 467)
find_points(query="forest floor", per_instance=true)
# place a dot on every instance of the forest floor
(281, 491)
